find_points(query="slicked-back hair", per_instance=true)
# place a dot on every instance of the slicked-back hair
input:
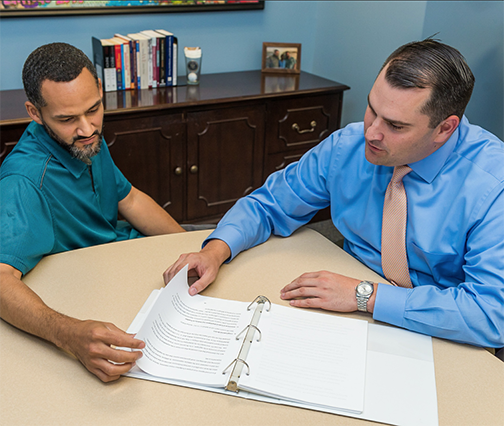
(59, 62)
(432, 64)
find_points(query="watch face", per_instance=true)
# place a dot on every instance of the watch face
(364, 289)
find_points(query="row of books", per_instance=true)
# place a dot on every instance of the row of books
(143, 60)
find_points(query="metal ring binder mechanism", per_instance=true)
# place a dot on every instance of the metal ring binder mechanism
(239, 361)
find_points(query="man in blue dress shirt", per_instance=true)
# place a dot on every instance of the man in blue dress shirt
(60, 191)
(455, 211)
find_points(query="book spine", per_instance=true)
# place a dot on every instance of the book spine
(109, 73)
(137, 64)
(155, 62)
(144, 63)
(118, 66)
(127, 65)
(175, 61)
(149, 62)
(162, 61)
(169, 60)
(133, 64)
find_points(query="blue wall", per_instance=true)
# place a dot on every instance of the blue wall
(476, 28)
(355, 40)
(346, 41)
(230, 41)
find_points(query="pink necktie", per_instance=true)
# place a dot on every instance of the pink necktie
(394, 259)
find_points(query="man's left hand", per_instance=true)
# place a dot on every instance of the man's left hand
(323, 289)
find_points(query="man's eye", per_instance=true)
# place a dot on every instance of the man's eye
(396, 127)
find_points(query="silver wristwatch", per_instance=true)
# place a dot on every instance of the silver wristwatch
(363, 292)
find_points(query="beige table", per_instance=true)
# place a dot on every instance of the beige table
(41, 385)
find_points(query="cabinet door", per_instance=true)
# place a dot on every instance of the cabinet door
(9, 136)
(225, 155)
(150, 151)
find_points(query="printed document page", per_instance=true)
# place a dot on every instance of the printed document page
(308, 356)
(191, 338)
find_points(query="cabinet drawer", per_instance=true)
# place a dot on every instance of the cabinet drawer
(302, 122)
(280, 160)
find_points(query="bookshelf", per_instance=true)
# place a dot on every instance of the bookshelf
(197, 149)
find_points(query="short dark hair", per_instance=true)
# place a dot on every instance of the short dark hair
(432, 64)
(60, 62)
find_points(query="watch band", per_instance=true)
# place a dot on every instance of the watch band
(362, 299)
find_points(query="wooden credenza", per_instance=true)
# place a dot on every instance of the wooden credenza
(198, 149)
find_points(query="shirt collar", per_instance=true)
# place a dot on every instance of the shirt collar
(73, 165)
(430, 166)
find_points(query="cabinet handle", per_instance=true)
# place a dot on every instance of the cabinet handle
(313, 124)
(178, 171)
(194, 169)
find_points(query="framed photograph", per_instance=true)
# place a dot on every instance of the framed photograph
(80, 7)
(281, 58)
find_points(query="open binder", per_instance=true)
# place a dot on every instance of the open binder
(271, 350)
(284, 355)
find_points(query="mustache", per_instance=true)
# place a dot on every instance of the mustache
(376, 144)
(78, 138)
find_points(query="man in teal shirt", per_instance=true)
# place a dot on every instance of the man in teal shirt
(60, 190)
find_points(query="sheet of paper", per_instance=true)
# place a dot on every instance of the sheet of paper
(309, 356)
(191, 338)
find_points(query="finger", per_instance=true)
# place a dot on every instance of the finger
(183, 260)
(307, 303)
(301, 281)
(200, 284)
(118, 337)
(301, 292)
(108, 372)
(121, 356)
(172, 271)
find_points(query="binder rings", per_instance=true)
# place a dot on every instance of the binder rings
(250, 330)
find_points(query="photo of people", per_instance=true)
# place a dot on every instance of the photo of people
(281, 57)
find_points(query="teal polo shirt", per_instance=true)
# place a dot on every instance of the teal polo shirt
(51, 202)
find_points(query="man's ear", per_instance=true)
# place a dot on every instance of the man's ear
(33, 112)
(100, 87)
(446, 128)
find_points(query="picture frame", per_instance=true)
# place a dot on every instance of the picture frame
(108, 7)
(281, 58)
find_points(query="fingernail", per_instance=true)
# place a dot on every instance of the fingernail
(192, 291)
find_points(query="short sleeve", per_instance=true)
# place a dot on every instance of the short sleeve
(26, 225)
(123, 185)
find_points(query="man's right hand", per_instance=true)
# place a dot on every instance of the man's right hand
(94, 344)
(205, 264)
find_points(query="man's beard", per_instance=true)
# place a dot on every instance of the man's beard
(85, 153)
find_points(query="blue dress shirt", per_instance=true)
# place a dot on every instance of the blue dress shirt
(52, 202)
(454, 236)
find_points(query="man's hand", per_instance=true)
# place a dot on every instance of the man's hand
(204, 264)
(94, 344)
(325, 290)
